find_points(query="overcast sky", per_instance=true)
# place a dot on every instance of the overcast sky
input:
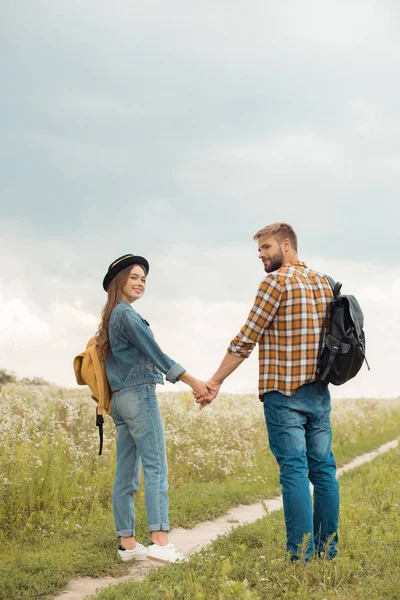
(176, 130)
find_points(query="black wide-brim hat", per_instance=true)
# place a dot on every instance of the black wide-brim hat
(120, 263)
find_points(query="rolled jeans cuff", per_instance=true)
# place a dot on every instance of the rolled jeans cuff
(126, 533)
(174, 373)
(159, 527)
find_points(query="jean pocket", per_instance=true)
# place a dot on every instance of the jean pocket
(289, 417)
(129, 404)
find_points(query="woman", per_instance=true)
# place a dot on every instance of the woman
(134, 363)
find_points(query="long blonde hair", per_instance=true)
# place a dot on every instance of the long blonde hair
(114, 293)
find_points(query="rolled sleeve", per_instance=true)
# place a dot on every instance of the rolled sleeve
(139, 333)
(264, 309)
(175, 371)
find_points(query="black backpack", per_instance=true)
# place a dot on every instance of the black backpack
(342, 344)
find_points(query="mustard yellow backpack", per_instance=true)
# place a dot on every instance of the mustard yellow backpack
(90, 370)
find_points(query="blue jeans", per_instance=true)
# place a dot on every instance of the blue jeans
(300, 437)
(140, 440)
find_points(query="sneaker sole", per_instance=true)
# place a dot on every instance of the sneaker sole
(128, 558)
(165, 562)
(160, 560)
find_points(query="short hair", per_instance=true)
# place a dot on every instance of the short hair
(280, 231)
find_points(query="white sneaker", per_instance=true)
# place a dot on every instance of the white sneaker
(167, 554)
(138, 553)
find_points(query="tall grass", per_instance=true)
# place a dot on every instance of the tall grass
(50, 476)
(55, 491)
(53, 480)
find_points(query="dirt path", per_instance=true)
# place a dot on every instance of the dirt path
(192, 540)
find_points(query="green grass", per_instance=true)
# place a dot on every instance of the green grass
(55, 492)
(36, 570)
(251, 564)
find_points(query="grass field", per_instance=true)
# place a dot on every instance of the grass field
(250, 563)
(55, 491)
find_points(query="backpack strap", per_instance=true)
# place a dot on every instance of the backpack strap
(335, 285)
(331, 360)
(99, 424)
(100, 406)
(322, 336)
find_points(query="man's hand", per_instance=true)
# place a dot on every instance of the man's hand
(212, 392)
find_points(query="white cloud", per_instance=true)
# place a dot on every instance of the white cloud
(367, 117)
(18, 324)
(288, 150)
(41, 343)
(340, 25)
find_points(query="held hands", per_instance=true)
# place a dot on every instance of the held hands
(204, 392)
(212, 389)
(199, 388)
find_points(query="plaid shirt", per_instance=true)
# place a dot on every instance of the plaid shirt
(286, 321)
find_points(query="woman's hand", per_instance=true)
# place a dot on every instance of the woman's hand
(200, 390)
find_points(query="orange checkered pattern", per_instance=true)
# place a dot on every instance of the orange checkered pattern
(286, 321)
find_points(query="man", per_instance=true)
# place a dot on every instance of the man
(286, 321)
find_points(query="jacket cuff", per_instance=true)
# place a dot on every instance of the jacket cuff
(174, 373)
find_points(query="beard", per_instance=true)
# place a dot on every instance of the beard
(276, 261)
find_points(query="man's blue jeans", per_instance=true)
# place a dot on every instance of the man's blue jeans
(140, 440)
(300, 437)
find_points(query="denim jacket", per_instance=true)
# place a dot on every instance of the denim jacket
(136, 358)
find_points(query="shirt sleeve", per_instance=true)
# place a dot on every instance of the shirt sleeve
(264, 309)
(139, 333)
